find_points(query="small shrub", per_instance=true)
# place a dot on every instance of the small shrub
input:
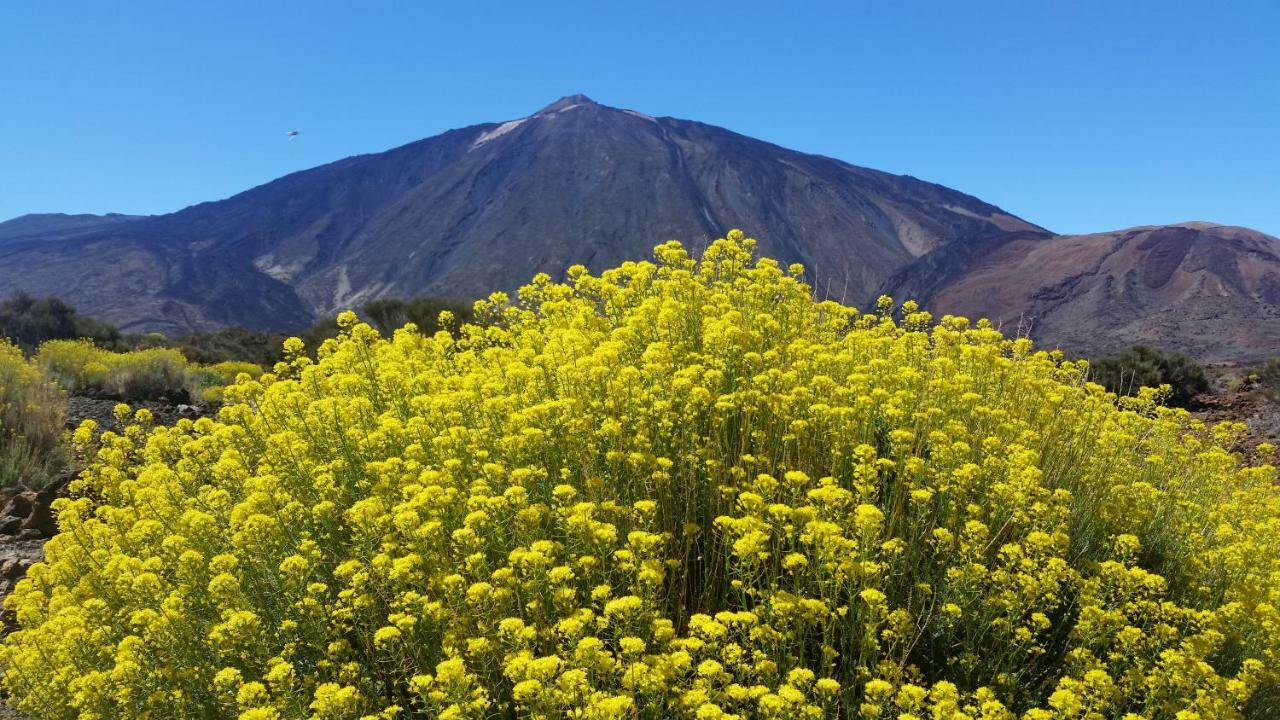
(79, 367)
(391, 313)
(149, 375)
(211, 379)
(32, 414)
(1268, 378)
(229, 371)
(1142, 366)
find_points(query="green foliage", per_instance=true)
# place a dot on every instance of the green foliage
(29, 321)
(211, 379)
(1268, 378)
(32, 414)
(224, 345)
(391, 313)
(1142, 366)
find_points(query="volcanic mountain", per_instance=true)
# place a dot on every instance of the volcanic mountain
(1210, 290)
(485, 208)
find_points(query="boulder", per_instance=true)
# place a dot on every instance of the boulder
(190, 411)
(11, 525)
(19, 505)
(42, 519)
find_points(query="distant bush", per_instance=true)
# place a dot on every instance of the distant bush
(79, 367)
(211, 379)
(149, 375)
(29, 321)
(32, 414)
(1142, 366)
(1268, 378)
(389, 314)
(216, 346)
(75, 365)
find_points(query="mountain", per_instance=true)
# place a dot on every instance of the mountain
(486, 207)
(1210, 290)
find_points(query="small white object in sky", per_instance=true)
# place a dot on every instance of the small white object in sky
(292, 134)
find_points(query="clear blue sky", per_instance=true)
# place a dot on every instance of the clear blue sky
(1080, 116)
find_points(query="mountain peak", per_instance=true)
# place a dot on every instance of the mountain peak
(566, 102)
(575, 182)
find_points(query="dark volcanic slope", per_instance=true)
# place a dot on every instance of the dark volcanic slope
(486, 207)
(1210, 290)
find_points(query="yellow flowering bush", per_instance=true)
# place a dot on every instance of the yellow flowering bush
(679, 489)
(79, 366)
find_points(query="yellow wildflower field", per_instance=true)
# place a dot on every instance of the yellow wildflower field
(679, 489)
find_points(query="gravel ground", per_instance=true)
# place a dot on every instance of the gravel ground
(102, 411)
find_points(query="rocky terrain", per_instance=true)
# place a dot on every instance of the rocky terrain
(26, 521)
(102, 410)
(486, 207)
(1238, 397)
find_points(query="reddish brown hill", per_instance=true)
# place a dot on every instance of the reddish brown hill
(1209, 290)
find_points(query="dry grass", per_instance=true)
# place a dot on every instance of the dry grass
(32, 415)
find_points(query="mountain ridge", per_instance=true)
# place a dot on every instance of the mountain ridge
(45, 225)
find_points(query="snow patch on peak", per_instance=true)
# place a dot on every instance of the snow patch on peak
(497, 132)
(642, 116)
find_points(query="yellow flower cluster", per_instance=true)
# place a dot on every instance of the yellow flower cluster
(679, 489)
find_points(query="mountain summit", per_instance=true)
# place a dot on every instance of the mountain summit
(567, 102)
(485, 208)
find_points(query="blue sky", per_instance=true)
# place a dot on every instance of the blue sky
(1079, 116)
